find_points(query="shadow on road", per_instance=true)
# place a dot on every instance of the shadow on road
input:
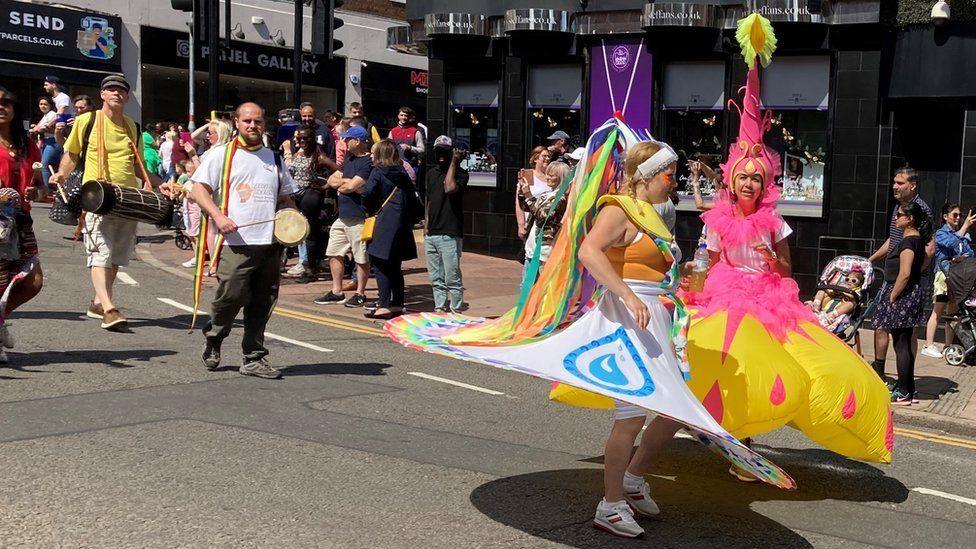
(702, 506)
(325, 368)
(50, 315)
(113, 359)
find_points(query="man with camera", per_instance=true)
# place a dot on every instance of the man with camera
(444, 224)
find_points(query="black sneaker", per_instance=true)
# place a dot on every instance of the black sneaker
(372, 305)
(305, 278)
(211, 354)
(357, 300)
(330, 298)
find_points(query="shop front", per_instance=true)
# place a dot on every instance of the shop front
(249, 72)
(80, 47)
(669, 67)
(386, 88)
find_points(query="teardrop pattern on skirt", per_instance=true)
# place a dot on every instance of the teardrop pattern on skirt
(778, 394)
(850, 406)
(713, 402)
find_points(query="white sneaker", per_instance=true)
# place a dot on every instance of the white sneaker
(6, 338)
(616, 518)
(640, 500)
(189, 264)
(297, 269)
(3, 357)
(931, 351)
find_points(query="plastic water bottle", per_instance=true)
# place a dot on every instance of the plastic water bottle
(699, 269)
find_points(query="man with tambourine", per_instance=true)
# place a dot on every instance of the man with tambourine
(239, 187)
(105, 146)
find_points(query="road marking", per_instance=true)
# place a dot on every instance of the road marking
(456, 383)
(940, 439)
(268, 335)
(126, 279)
(326, 321)
(945, 495)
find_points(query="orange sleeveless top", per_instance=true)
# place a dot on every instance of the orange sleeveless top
(640, 260)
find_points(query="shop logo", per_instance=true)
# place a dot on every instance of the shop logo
(96, 39)
(183, 48)
(420, 78)
(620, 57)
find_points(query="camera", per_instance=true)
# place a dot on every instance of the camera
(940, 12)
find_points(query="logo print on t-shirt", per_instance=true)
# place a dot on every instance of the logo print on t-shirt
(244, 192)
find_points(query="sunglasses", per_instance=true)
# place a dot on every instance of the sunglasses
(901, 214)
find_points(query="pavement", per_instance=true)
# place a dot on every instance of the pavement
(125, 440)
(947, 394)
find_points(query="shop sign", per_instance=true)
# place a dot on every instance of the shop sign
(62, 34)
(394, 81)
(463, 24)
(620, 80)
(537, 20)
(673, 14)
(420, 80)
(777, 11)
(172, 49)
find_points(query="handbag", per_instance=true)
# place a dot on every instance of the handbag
(67, 200)
(370, 223)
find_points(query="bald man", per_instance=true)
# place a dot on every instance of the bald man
(249, 270)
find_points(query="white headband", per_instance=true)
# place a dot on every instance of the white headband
(657, 162)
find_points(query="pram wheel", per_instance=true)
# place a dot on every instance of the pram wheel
(183, 242)
(954, 354)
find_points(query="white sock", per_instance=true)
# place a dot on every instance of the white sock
(632, 482)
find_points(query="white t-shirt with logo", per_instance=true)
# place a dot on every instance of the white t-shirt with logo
(254, 191)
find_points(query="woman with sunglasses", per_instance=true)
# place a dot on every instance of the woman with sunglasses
(19, 181)
(952, 244)
(307, 164)
(901, 304)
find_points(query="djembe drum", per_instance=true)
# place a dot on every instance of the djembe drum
(290, 226)
(109, 199)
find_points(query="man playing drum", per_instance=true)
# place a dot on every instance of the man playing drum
(248, 180)
(109, 241)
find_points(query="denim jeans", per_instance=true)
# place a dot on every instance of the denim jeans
(50, 156)
(444, 267)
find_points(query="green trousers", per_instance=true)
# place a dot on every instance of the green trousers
(247, 278)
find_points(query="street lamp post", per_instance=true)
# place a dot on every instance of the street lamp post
(297, 53)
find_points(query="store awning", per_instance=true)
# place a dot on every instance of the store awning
(538, 20)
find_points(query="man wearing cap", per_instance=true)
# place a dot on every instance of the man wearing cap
(346, 233)
(558, 144)
(444, 223)
(109, 241)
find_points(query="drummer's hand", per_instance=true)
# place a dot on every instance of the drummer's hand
(225, 224)
(168, 189)
(30, 194)
(56, 179)
(638, 309)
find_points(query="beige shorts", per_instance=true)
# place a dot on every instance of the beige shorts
(109, 241)
(345, 236)
(941, 289)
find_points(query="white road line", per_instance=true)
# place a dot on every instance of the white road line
(946, 495)
(268, 335)
(126, 279)
(456, 383)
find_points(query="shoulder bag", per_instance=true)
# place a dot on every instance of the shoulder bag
(370, 224)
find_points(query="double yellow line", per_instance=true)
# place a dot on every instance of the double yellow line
(326, 321)
(940, 439)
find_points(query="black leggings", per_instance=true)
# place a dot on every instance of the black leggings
(902, 341)
(389, 281)
(309, 202)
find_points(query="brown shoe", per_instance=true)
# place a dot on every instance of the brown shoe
(95, 311)
(113, 320)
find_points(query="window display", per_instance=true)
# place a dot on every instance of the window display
(554, 101)
(474, 125)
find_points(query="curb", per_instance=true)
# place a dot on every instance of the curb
(927, 420)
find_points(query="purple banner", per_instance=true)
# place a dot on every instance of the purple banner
(620, 80)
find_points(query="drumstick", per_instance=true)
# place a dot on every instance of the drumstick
(256, 223)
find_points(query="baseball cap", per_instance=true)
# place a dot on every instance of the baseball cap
(115, 80)
(559, 134)
(443, 141)
(354, 132)
(52, 79)
(577, 154)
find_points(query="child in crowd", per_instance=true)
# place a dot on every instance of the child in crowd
(834, 307)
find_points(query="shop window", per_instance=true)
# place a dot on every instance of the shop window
(474, 126)
(554, 100)
(693, 100)
(797, 90)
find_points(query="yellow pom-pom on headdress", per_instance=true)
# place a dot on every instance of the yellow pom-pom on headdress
(755, 35)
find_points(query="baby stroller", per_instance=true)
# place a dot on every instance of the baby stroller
(182, 241)
(961, 282)
(836, 278)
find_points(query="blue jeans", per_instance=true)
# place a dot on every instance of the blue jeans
(50, 156)
(444, 267)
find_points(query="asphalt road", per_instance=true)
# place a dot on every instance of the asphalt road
(125, 440)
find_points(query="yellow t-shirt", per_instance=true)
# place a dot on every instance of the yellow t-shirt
(120, 167)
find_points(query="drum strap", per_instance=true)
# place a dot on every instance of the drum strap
(203, 236)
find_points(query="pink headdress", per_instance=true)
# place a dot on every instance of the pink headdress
(749, 154)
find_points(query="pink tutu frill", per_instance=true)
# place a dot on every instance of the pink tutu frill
(722, 220)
